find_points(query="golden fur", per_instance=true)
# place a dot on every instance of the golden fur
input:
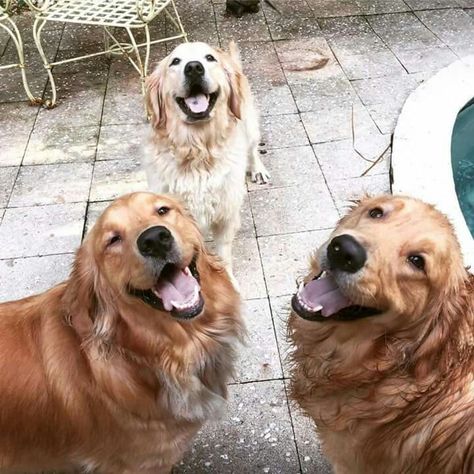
(394, 393)
(204, 161)
(93, 378)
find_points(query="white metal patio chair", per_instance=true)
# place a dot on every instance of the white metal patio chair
(7, 24)
(129, 15)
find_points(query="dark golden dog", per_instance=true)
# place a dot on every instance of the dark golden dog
(383, 332)
(117, 368)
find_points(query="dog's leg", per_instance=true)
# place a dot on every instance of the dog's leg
(224, 234)
(256, 169)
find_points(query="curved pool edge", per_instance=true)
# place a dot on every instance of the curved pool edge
(421, 154)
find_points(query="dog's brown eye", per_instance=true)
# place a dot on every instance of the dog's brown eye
(418, 261)
(211, 58)
(376, 213)
(175, 62)
(163, 210)
(113, 240)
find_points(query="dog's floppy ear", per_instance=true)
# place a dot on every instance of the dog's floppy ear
(235, 76)
(154, 98)
(90, 302)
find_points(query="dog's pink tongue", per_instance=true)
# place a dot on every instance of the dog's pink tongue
(324, 292)
(197, 103)
(179, 287)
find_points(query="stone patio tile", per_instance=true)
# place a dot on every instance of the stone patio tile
(307, 59)
(7, 180)
(16, 120)
(428, 59)
(198, 10)
(118, 142)
(123, 107)
(322, 93)
(431, 4)
(256, 427)
(330, 8)
(275, 100)
(283, 131)
(309, 449)
(286, 257)
(338, 159)
(205, 31)
(376, 64)
(351, 36)
(248, 28)
(308, 206)
(281, 308)
(371, 7)
(452, 26)
(82, 37)
(51, 184)
(22, 277)
(463, 50)
(261, 65)
(384, 89)
(61, 143)
(289, 167)
(337, 123)
(84, 110)
(385, 116)
(258, 358)
(41, 230)
(403, 31)
(12, 86)
(294, 20)
(113, 178)
(71, 83)
(247, 268)
(346, 190)
(247, 227)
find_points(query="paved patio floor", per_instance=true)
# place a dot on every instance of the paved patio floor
(59, 168)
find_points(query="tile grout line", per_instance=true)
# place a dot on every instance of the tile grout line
(86, 211)
(304, 128)
(295, 442)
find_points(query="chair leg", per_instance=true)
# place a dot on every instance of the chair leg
(15, 35)
(177, 21)
(141, 66)
(37, 29)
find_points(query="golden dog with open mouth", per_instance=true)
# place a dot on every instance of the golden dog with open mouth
(205, 133)
(117, 368)
(383, 337)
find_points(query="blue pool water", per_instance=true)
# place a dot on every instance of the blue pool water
(462, 157)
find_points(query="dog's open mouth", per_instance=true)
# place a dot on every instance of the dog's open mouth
(322, 300)
(198, 105)
(176, 291)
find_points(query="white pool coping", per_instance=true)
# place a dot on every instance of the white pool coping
(421, 156)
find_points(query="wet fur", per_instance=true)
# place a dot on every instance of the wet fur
(205, 163)
(394, 393)
(95, 379)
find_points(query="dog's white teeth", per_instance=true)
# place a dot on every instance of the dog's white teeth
(317, 308)
(300, 287)
(187, 271)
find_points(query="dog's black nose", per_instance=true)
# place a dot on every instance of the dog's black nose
(155, 242)
(346, 254)
(194, 69)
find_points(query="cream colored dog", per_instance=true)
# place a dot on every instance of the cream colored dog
(205, 133)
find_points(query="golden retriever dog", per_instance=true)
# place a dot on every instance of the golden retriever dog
(383, 343)
(205, 134)
(117, 368)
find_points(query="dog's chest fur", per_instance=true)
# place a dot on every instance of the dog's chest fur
(211, 181)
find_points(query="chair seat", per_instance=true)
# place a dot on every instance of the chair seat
(121, 13)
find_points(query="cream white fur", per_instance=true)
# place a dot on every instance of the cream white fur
(205, 162)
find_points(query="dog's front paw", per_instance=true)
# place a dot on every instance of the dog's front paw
(259, 174)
